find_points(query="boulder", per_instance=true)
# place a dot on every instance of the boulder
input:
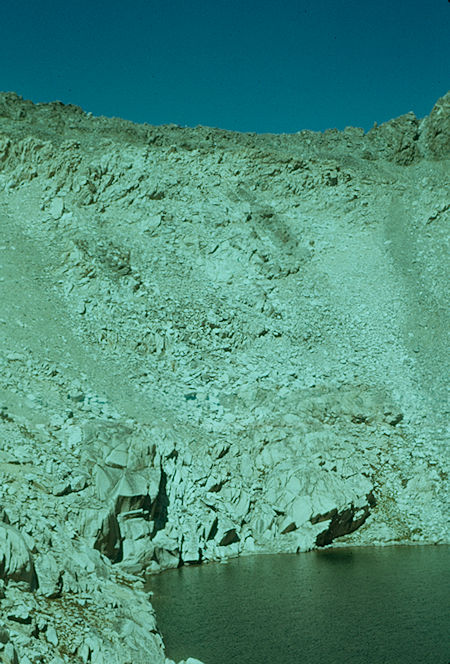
(16, 562)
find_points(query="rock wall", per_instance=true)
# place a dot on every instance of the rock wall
(211, 344)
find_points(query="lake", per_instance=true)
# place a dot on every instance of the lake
(365, 605)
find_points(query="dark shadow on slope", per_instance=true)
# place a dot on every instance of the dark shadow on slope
(158, 512)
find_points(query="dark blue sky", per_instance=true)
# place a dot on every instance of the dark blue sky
(236, 64)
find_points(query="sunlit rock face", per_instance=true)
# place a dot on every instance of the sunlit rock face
(211, 344)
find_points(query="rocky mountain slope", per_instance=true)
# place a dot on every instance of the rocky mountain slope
(211, 344)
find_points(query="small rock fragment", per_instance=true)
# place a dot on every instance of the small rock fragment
(9, 655)
(56, 207)
(51, 635)
(21, 615)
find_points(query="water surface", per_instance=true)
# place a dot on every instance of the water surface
(337, 606)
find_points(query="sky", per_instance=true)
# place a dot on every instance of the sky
(265, 66)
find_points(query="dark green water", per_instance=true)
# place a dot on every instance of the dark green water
(336, 606)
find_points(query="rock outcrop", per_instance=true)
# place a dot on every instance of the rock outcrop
(212, 344)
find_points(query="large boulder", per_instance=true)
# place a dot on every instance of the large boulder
(16, 562)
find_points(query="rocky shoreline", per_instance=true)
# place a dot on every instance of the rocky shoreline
(212, 344)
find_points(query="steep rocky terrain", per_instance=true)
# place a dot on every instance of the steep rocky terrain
(211, 344)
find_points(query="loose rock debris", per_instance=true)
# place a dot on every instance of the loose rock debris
(211, 344)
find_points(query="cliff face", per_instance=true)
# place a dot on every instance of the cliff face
(211, 344)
